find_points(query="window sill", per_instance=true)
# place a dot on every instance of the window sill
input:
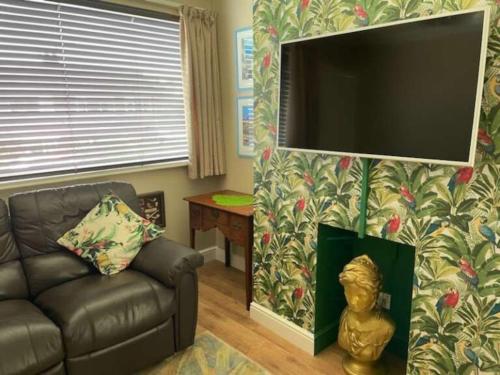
(70, 177)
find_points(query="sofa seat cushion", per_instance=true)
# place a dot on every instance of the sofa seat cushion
(30, 343)
(97, 311)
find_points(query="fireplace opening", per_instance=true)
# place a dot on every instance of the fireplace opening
(337, 247)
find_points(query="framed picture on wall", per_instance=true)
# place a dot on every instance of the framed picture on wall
(244, 58)
(245, 129)
(153, 207)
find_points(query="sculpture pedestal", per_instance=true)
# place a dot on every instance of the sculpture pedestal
(353, 366)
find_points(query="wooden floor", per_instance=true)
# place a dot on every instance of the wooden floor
(222, 311)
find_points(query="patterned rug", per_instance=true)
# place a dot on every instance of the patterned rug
(208, 355)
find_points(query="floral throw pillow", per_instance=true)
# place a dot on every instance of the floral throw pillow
(110, 236)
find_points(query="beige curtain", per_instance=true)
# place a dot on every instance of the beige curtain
(200, 65)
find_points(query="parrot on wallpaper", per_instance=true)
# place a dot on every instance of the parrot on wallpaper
(486, 142)
(467, 273)
(266, 238)
(495, 309)
(408, 197)
(266, 62)
(361, 14)
(425, 342)
(464, 349)
(435, 229)
(480, 224)
(306, 274)
(271, 217)
(297, 294)
(494, 84)
(308, 179)
(461, 177)
(303, 4)
(391, 226)
(266, 154)
(273, 32)
(299, 206)
(343, 165)
(487, 232)
(448, 300)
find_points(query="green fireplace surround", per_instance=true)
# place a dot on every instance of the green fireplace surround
(336, 248)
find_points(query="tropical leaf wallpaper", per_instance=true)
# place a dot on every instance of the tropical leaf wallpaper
(451, 215)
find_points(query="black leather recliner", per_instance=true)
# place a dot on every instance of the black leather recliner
(29, 342)
(109, 324)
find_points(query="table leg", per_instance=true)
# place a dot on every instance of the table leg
(227, 249)
(248, 267)
(192, 234)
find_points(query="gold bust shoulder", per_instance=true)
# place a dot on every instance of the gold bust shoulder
(364, 329)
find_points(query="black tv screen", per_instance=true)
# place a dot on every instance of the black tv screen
(408, 91)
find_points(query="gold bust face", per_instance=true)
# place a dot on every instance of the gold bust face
(362, 282)
(359, 299)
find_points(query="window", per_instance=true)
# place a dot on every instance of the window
(84, 89)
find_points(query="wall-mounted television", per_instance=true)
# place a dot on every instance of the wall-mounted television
(409, 90)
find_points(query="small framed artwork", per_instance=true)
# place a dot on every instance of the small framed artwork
(244, 58)
(245, 131)
(153, 207)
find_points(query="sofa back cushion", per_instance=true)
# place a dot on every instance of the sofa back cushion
(40, 217)
(12, 279)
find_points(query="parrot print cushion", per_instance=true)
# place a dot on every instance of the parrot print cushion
(110, 236)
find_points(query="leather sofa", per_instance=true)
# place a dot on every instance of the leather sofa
(30, 343)
(71, 318)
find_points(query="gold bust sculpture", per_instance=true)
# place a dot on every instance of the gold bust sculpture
(364, 329)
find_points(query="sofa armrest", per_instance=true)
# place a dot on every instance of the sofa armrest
(175, 265)
(167, 261)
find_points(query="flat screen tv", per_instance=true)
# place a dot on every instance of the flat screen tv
(408, 90)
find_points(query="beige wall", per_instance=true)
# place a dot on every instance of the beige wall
(232, 15)
(173, 181)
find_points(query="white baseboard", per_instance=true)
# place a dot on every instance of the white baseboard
(216, 253)
(209, 253)
(298, 336)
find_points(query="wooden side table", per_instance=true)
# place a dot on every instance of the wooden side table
(236, 223)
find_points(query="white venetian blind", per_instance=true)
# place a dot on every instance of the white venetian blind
(84, 88)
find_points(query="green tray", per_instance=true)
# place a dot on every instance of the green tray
(233, 200)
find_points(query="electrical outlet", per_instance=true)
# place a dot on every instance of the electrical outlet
(384, 300)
